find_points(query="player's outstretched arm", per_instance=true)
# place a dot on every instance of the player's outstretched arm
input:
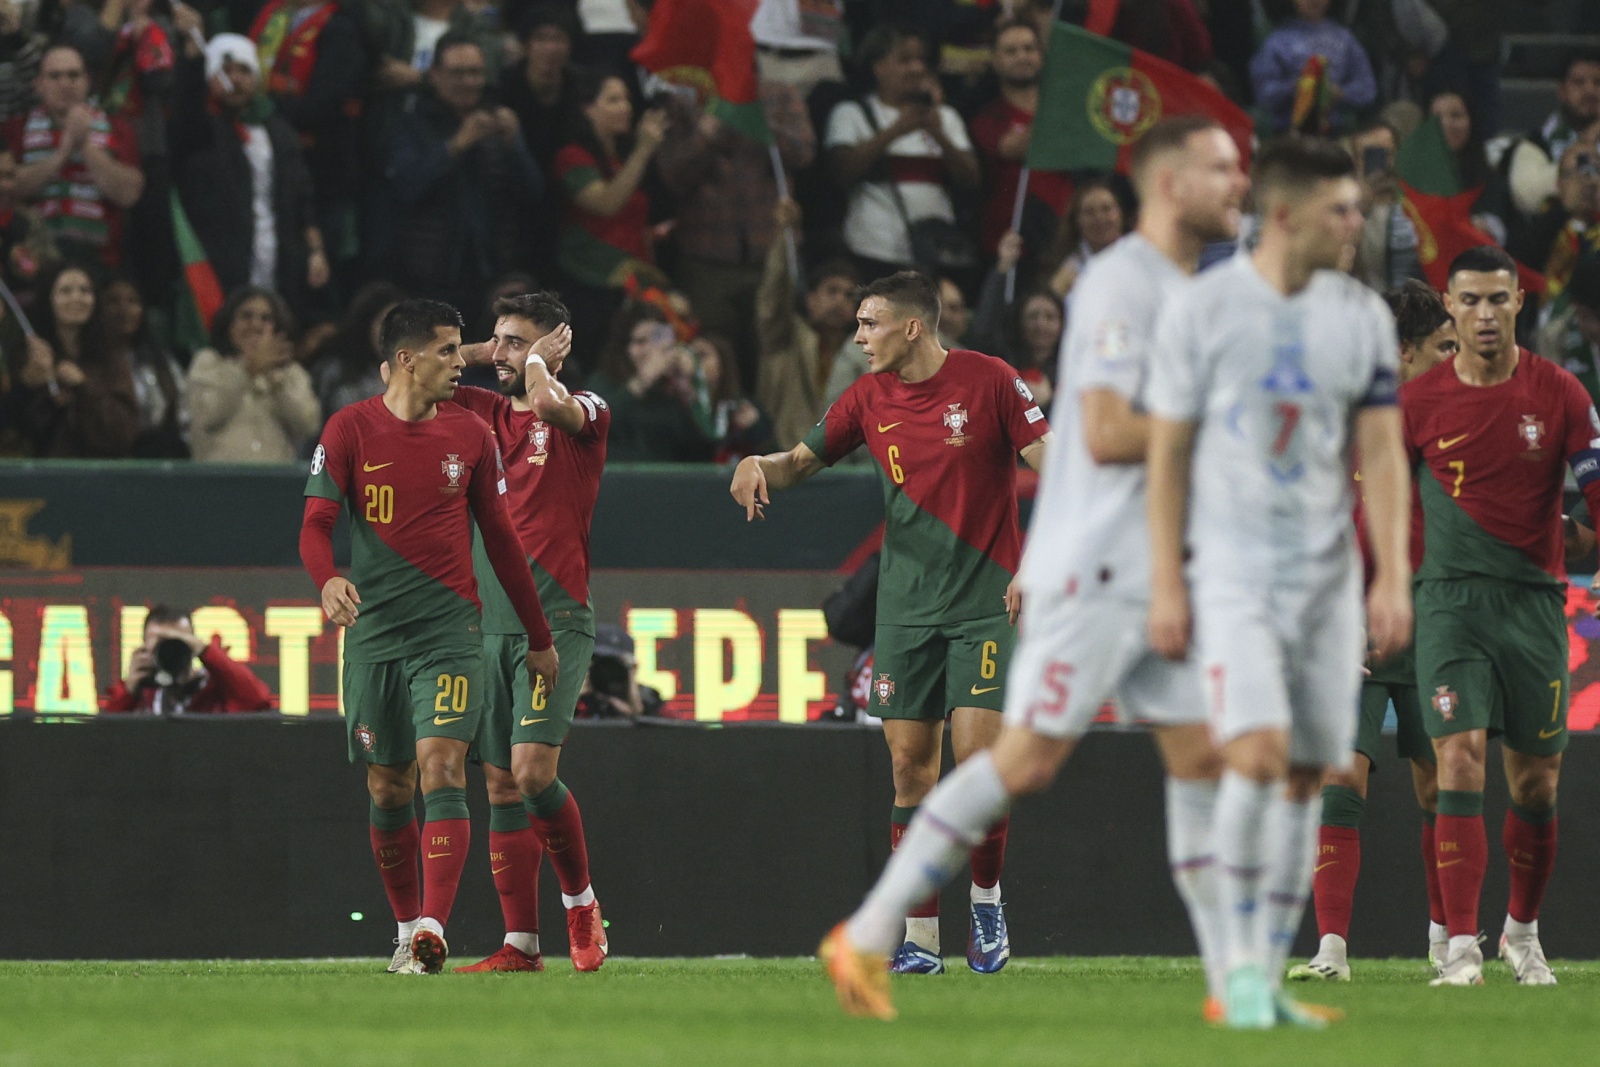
(756, 476)
(1169, 458)
(1113, 431)
(1386, 485)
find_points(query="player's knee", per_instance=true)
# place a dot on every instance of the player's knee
(500, 785)
(1460, 764)
(1533, 788)
(1262, 756)
(389, 793)
(535, 779)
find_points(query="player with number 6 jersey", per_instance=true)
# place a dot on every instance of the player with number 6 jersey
(945, 428)
(412, 469)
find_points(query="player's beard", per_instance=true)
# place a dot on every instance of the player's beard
(515, 387)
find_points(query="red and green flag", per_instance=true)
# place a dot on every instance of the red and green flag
(1440, 206)
(1098, 96)
(201, 294)
(1313, 98)
(706, 45)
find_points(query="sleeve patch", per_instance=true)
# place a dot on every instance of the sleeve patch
(319, 459)
(1023, 391)
(1384, 389)
(1586, 466)
(587, 405)
(1034, 414)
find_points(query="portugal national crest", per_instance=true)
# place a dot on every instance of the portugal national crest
(884, 687)
(1445, 703)
(365, 737)
(453, 469)
(1123, 103)
(539, 438)
(1531, 431)
(956, 419)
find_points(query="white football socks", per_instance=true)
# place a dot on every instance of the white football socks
(949, 824)
(980, 895)
(1191, 806)
(923, 931)
(1291, 842)
(405, 930)
(581, 900)
(527, 944)
(1238, 832)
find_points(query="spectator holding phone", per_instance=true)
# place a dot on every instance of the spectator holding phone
(1387, 254)
(1570, 229)
(659, 410)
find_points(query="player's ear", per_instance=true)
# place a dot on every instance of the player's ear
(1522, 296)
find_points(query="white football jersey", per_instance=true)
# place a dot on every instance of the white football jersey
(1088, 529)
(1275, 383)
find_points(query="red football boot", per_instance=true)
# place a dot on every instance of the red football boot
(507, 958)
(586, 937)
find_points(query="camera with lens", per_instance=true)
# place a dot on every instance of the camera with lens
(174, 660)
(609, 676)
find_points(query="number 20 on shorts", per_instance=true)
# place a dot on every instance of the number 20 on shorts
(451, 699)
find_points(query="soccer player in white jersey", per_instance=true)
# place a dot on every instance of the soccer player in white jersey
(1265, 372)
(1084, 574)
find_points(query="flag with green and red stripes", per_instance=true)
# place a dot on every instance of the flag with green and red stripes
(200, 295)
(706, 45)
(1097, 96)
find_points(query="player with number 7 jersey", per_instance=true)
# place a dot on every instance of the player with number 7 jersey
(415, 473)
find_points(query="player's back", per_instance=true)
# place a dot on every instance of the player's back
(1088, 528)
(1275, 381)
(406, 484)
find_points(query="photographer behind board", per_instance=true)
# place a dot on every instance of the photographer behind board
(174, 673)
(612, 689)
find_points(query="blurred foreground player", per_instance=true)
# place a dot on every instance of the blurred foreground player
(1267, 372)
(1427, 336)
(1494, 429)
(1085, 575)
(554, 446)
(411, 468)
(945, 427)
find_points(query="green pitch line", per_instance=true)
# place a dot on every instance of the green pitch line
(1113, 1011)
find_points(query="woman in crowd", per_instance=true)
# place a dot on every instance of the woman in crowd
(158, 381)
(738, 425)
(251, 403)
(606, 236)
(649, 378)
(1025, 333)
(1493, 205)
(345, 368)
(79, 398)
(1094, 220)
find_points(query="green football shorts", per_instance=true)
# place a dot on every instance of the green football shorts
(389, 705)
(922, 672)
(1492, 656)
(514, 714)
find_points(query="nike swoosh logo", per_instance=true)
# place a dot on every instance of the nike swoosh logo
(498, 870)
(369, 468)
(885, 429)
(530, 722)
(1449, 863)
(1545, 735)
(391, 866)
(1320, 866)
(440, 720)
(1451, 442)
(979, 692)
(437, 855)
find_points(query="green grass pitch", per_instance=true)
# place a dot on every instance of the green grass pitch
(1121, 1011)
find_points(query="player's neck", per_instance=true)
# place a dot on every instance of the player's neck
(406, 404)
(925, 361)
(1172, 239)
(1475, 369)
(521, 403)
(1278, 268)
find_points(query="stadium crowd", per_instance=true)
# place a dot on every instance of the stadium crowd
(328, 158)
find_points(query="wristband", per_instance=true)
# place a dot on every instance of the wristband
(534, 357)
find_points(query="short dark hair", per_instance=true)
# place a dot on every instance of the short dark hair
(1418, 311)
(1576, 58)
(883, 39)
(1485, 259)
(222, 324)
(909, 291)
(1016, 22)
(544, 309)
(413, 322)
(165, 615)
(837, 267)
(1296, 163)
(545, 13)
(455, 39)
(1167, 135)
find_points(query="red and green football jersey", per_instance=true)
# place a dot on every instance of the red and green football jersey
(1489, 462)
(552, 483)
(948, 449)
(409, 487)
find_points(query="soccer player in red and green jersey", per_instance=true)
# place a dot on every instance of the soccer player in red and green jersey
(945, 427)
(554, 444)
(411, 469)
(1493, 430)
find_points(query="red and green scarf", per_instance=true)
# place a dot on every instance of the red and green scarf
(288, 50)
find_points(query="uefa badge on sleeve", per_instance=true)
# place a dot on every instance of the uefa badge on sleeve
(319, 460)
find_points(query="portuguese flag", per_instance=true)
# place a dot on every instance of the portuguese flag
(201, 294)
(706, 45)
(1098, 95)
(1313, 98)
(1441, 207)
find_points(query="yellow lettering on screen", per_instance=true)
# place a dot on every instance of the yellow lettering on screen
(7, 685)
(66, 662)
(294, 627)
(130, 635)
(226, 623)
(648, 627)
(798, 684)
(714, 629)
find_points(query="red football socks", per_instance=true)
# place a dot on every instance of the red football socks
(1461, 856)
(989, 857)
(1333, 882)
(561, 833)
(444, 854)
(514, 860)
(1430, 870)
(396, 854)
(899, 822)
(1531, 851)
